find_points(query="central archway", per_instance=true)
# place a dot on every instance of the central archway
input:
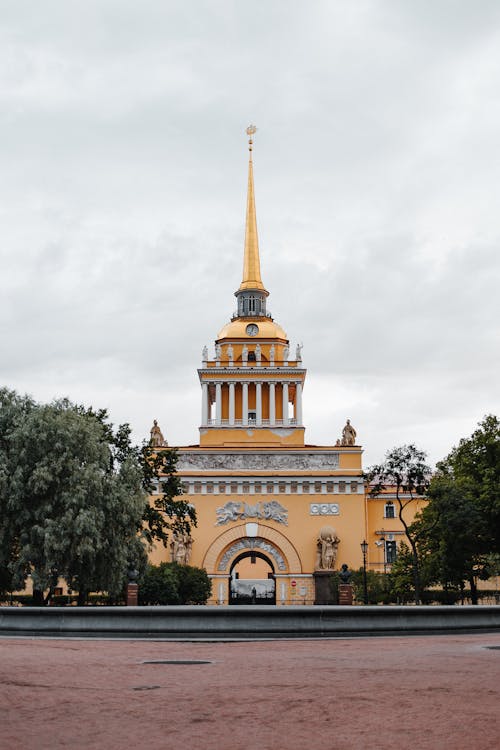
(243, 541)
(252, 579)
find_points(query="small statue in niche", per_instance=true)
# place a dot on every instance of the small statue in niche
(230, 352)
(204, 354)
(348, 434)
(244, 353)
(180, 548)
(345, 574)
(258, 352)
(157, 440)
(271, 353)
(286, 352)
(326, 548)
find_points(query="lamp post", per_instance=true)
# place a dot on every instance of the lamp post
(364, 549)
(382, 539)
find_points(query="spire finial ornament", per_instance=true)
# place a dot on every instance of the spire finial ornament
(250, 131)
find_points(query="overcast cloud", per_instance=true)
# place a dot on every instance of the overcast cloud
(377, 169)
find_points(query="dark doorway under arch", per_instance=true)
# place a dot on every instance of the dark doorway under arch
(249, 585)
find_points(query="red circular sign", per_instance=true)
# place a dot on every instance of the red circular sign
(294, 583)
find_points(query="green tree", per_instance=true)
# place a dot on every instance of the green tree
(475, 463)
(459, 528)
(405, 470)
(455, 538)
(170, 583)
(168, 513)
(75, 503)
(74, 497)
(159, 585)
(72, 500)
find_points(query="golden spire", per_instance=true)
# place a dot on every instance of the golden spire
(251, 261)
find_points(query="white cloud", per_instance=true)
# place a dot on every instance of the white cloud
(377, 166)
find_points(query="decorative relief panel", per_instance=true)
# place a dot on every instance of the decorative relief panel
(256, 461)
(324, 509)
(246, 543)
(232, 511)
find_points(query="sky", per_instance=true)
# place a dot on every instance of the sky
(377, 168)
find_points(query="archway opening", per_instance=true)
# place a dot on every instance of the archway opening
(251, 579)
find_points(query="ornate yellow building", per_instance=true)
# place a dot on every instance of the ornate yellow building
(271, 509)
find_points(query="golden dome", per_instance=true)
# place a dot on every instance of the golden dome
(236, 329)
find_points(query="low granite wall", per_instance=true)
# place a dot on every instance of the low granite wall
(245, 622)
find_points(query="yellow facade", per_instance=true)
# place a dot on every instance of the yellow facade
(262, 495)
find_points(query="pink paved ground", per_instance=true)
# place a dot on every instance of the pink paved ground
(413, 692)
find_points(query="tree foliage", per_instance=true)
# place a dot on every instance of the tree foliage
(170, 583)
(405, 470)
(474, 465)
(459, 528)
(168, 512)
(73, 497)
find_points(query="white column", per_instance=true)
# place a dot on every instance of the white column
(298, 404)
(204, 404)
(258, 403)
(231, 404)
(285, 403)
(244, 406)
(218, 402)
(272, 404)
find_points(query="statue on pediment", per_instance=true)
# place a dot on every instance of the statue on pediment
(157, 440)
(348, 434)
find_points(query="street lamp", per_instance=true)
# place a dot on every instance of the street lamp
(364, 550)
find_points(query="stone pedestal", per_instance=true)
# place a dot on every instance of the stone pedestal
(324, 587)
(132, 595)
(345, 594)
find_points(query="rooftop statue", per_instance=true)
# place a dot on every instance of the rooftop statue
(157, 440)
(348, 434)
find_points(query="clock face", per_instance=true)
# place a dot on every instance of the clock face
(252, 329)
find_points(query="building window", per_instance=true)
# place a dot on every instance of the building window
(282, 487)
(258, 487)
(234, 487)
(270, 488)
(222, 488)
(293, 487)
(305, 487)
(317, 487)
(389, 511)
(246, 487)
(390, 552)
(210, 488)
(197, 487)
(354, 487)
(185, 487)
(252, 416)
(329, 486)
(341, 486)
(252, 357)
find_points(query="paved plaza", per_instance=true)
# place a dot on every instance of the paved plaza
(392, 692)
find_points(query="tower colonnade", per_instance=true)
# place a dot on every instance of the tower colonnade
(230, 400)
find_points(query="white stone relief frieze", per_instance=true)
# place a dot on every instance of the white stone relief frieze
(256, 461)
(324, 509)
(271, 511)
(247, 543)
